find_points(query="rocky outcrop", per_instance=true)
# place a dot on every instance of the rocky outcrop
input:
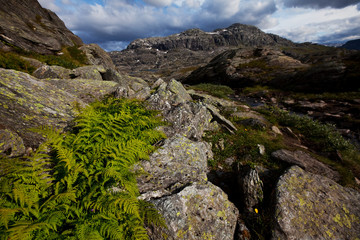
(199, 211)
(28, 26)
(27, 102)
(97, 56)
(175, 165)
(307, 162)
(187, 118)
(310, 206)
(245, 67)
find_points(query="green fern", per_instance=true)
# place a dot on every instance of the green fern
(90, 192)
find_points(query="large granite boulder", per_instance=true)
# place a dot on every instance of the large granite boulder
(199, 211)
(185, 117)
(176, 164)
(46, 71)
(27, 102)
(97, 56)
(93, 72)
(26, 25)
(310, 206)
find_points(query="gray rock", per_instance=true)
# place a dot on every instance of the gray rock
(131, 87)
(176, 164)
(11, 144)
(310, 206)
(27, 102)
(221, 119)
(26, 25)
(307, 162)
(185, 117)
(168, 95)
(199, 211)
(89, 72)
(97, 56)
(251, 187)
(46, 71)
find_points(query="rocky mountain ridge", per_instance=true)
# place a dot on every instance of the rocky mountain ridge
(352, 44)
(177, 55)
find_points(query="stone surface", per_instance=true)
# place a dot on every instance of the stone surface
(176, 164)
(89, 72)
(97, 56)
(85, 90)
(221, 119)
(46, 71)
(25, 24)
(27, 102)
(307, 162)
(310, 206)
(185, 117)
(199, 211)
(251, 187)
(11, 144)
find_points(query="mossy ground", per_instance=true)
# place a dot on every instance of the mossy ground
(219, 91)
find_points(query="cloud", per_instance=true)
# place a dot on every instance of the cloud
(320, 3)
(158, 3)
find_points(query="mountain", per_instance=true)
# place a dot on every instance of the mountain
(353, 44)
(177, 55)
(26, 25)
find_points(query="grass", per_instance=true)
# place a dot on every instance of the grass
(325, 139)
(10, 60)
(71, 57)
(219, 91)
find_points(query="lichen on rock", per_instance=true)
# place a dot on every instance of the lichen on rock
(310, 206)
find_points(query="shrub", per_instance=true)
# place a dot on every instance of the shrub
(10, 60)
(85, 187)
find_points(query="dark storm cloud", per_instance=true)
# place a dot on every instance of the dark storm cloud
(320, 3)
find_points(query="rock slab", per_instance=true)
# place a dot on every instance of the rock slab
(310, 206)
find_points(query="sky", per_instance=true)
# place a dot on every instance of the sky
(113, 24)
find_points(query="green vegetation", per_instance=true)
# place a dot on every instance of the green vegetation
(85, 187)
(71, 57)
(10, 60)
(325, 139)
(219, 91)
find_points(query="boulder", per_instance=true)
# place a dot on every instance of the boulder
(176, 164)
(27, 102)
(131, 87)
(28, 26)
(221, 119)
(89, 72)
(310, 206)
(186, 117)
(11, 144)
(86, 90)
(199, 211)
(251, 187)
(46, 71)
(97, 56)
(307, 162)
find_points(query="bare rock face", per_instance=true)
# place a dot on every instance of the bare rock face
(305, 161)
(185, 117)
(199, 211)
(97, 56)
(10, 143)
(251, 187)
(27, 102)
(26, 25)
(176, 164)
(310, 206)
